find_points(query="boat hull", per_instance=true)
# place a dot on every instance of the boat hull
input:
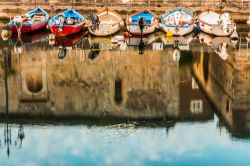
(110, 23)
(134, 29)
(183, 30)
(217, 29)
(209, 23)
(67, 30)
(106, 30)
(29, 27)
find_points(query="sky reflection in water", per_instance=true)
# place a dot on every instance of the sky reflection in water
(184, 144)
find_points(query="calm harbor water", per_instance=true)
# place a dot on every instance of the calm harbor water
(146, 101)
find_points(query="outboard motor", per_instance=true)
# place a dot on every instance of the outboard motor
(94, 20)
(141, 46)
(142, 23)
(62, 52)
(197, 29)
(61, 19)
(95, 50)
(18, 21)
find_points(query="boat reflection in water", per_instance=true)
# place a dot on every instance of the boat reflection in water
(66, 43)
(28, 39)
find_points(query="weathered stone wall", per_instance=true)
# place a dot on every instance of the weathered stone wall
(9, 8)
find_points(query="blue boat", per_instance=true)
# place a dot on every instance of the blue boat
(177, 22)
(142, 23)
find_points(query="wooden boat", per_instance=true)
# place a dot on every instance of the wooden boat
(110, 22)
(178, 21)
(67, 23)
(142, 23)
(216, 24)
(31, 21)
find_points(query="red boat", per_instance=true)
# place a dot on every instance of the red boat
(67, 23)
(30, 21)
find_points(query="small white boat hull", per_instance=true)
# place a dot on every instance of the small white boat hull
(183, 30)
(135, 29)
(217, 29)
(209, 24)
(178, 21)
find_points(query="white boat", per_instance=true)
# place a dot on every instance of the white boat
(110, 23)
(142, 23)
(178, 22)
(216, 24)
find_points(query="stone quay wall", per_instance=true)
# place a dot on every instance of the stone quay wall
(10, 7)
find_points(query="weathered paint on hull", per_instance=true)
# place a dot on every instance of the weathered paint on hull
(181, 32)
(135, 29)
(67, 30)
(29, 28)
(108, 31)
(217, 30)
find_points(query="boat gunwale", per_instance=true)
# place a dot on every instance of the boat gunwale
(165, 15)
(47, 18)
(116, 22)
(82, 18)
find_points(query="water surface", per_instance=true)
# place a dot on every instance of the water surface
(149, 101)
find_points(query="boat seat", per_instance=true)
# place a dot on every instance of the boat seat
(37, 18)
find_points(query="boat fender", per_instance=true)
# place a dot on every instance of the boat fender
(126, 34)
(169, 33)
(5, 33)
(47, 26)
(191, 21)
(51, 37)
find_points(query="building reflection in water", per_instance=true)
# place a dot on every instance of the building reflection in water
(224, 78)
